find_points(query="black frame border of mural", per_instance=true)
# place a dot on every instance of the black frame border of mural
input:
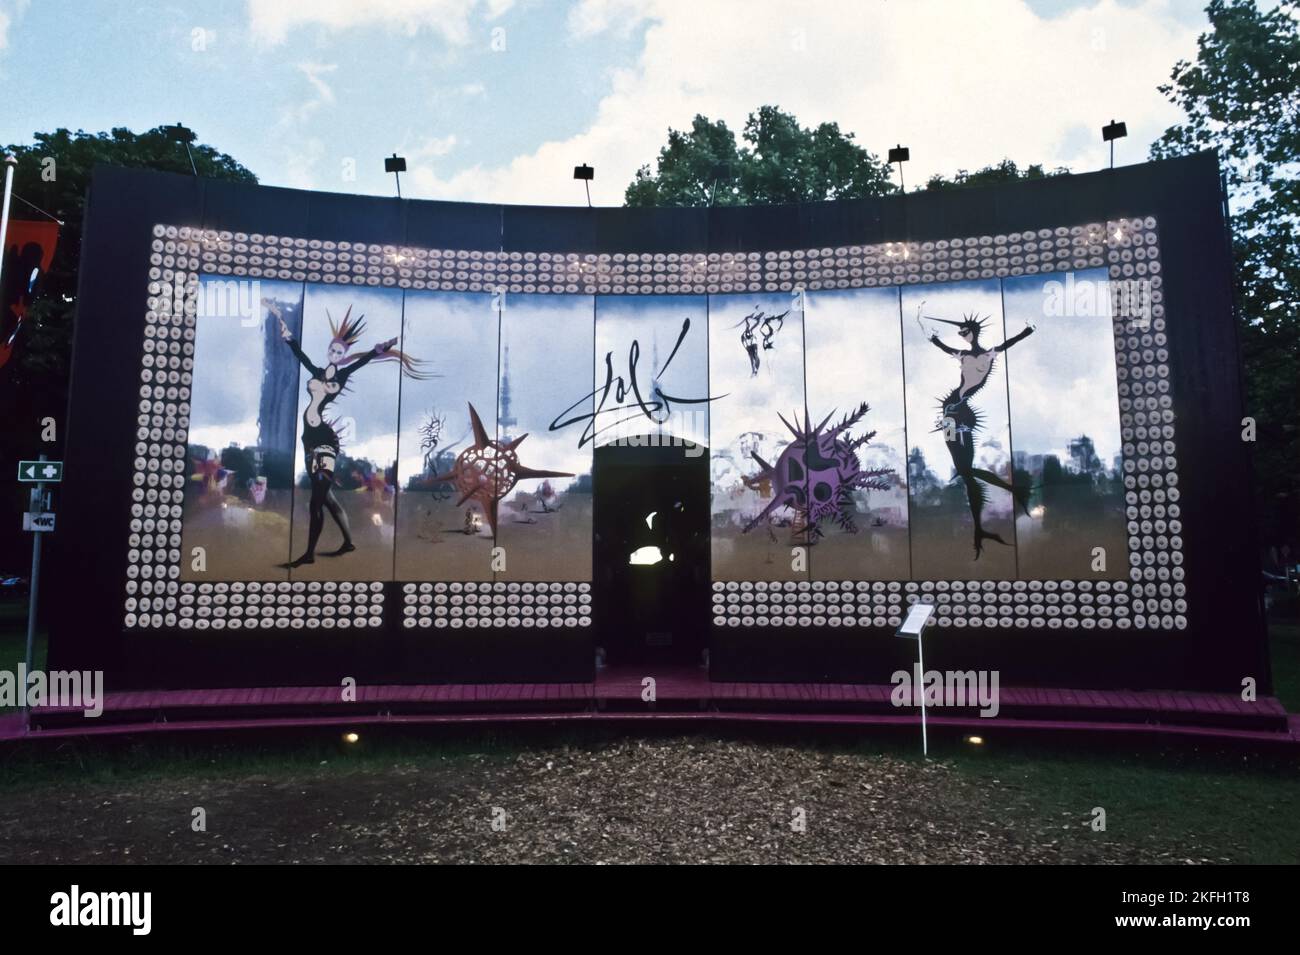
(1224, 642)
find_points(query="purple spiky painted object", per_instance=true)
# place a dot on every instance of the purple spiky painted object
(818, 472)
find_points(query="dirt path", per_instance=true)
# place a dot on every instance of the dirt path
(662, 800)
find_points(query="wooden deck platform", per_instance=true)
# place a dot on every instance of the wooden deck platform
(681, 694)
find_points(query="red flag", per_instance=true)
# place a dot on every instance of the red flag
(28, 252)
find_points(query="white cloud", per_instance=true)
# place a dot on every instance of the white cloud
(591, 17)
(271, 21)
(315, 72)
(301, 153)
(963, 84)
(433, 147)
(299, 160)
(10, 12)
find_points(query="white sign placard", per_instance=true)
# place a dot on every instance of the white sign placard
(916, 618)
(38, 522)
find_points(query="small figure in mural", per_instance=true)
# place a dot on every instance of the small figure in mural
(817, 473)
(960, 421)
(487, 470)
(320, 438)
(767, 326)
(546, 494)
(430, 436)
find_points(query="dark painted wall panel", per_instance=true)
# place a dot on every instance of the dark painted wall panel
(1226, 641)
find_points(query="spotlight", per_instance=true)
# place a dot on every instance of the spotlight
(351, 737)
(975, 740)
(180, 133)
(586, 174)
(900, 154)
(185, 136)
(396, 165)
(1111, 132)
(721, 172)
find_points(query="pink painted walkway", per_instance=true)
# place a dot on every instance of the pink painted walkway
(683, 695)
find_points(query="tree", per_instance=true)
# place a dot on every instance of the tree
(1005, 171)
(53, 173)
(1241, 97)
(781, 163)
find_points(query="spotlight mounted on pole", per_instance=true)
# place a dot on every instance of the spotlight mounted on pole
(396, 165)
(1111, 132)
(720, 173)
(184, 135)
(586, 174)
(900, 154)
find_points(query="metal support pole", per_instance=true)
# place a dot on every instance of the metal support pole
(920, 661)
(11, 161)
(37, 497)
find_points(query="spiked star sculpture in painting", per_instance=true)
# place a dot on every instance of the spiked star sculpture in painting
(487, 470)
(817, 473)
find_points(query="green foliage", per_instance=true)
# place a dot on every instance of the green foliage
(34, 384)
(781, 162)
(60, 189)
(1241, 97)
(1005, 171)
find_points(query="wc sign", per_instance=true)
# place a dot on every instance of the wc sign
(38, 522)
(38, 516)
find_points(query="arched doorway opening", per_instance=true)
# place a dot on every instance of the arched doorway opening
(651, 551)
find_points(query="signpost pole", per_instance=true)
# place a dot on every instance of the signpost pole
(38, 496)
(920, 660)
(918, 615)
(11, 161)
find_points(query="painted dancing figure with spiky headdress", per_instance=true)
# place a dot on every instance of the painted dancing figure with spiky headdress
(960, 421)
(320, 439)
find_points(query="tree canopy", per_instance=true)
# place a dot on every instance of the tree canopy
(53, 173)
(1241, 97)
(779, 162)
(1004, 171)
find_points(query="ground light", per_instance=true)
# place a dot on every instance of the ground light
(975, 740)
(351, 737)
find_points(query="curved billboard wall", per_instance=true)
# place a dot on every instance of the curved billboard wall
(342, 435)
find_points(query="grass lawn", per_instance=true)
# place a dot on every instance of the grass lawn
(1284, 647)
(609, 794)
(13, 640)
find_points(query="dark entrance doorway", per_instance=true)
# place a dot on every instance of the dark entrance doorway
(651, 558)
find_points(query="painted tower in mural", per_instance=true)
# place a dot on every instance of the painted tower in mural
(506, 421)
(277, 409)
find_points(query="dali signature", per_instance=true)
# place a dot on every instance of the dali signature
(628, 401)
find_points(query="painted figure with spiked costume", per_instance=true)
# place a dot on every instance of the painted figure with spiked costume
(960, 421)
(320, 438)
(816, 474)
(486, 471)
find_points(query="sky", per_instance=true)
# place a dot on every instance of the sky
(497, 100)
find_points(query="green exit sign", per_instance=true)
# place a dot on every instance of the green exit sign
(32, 471)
